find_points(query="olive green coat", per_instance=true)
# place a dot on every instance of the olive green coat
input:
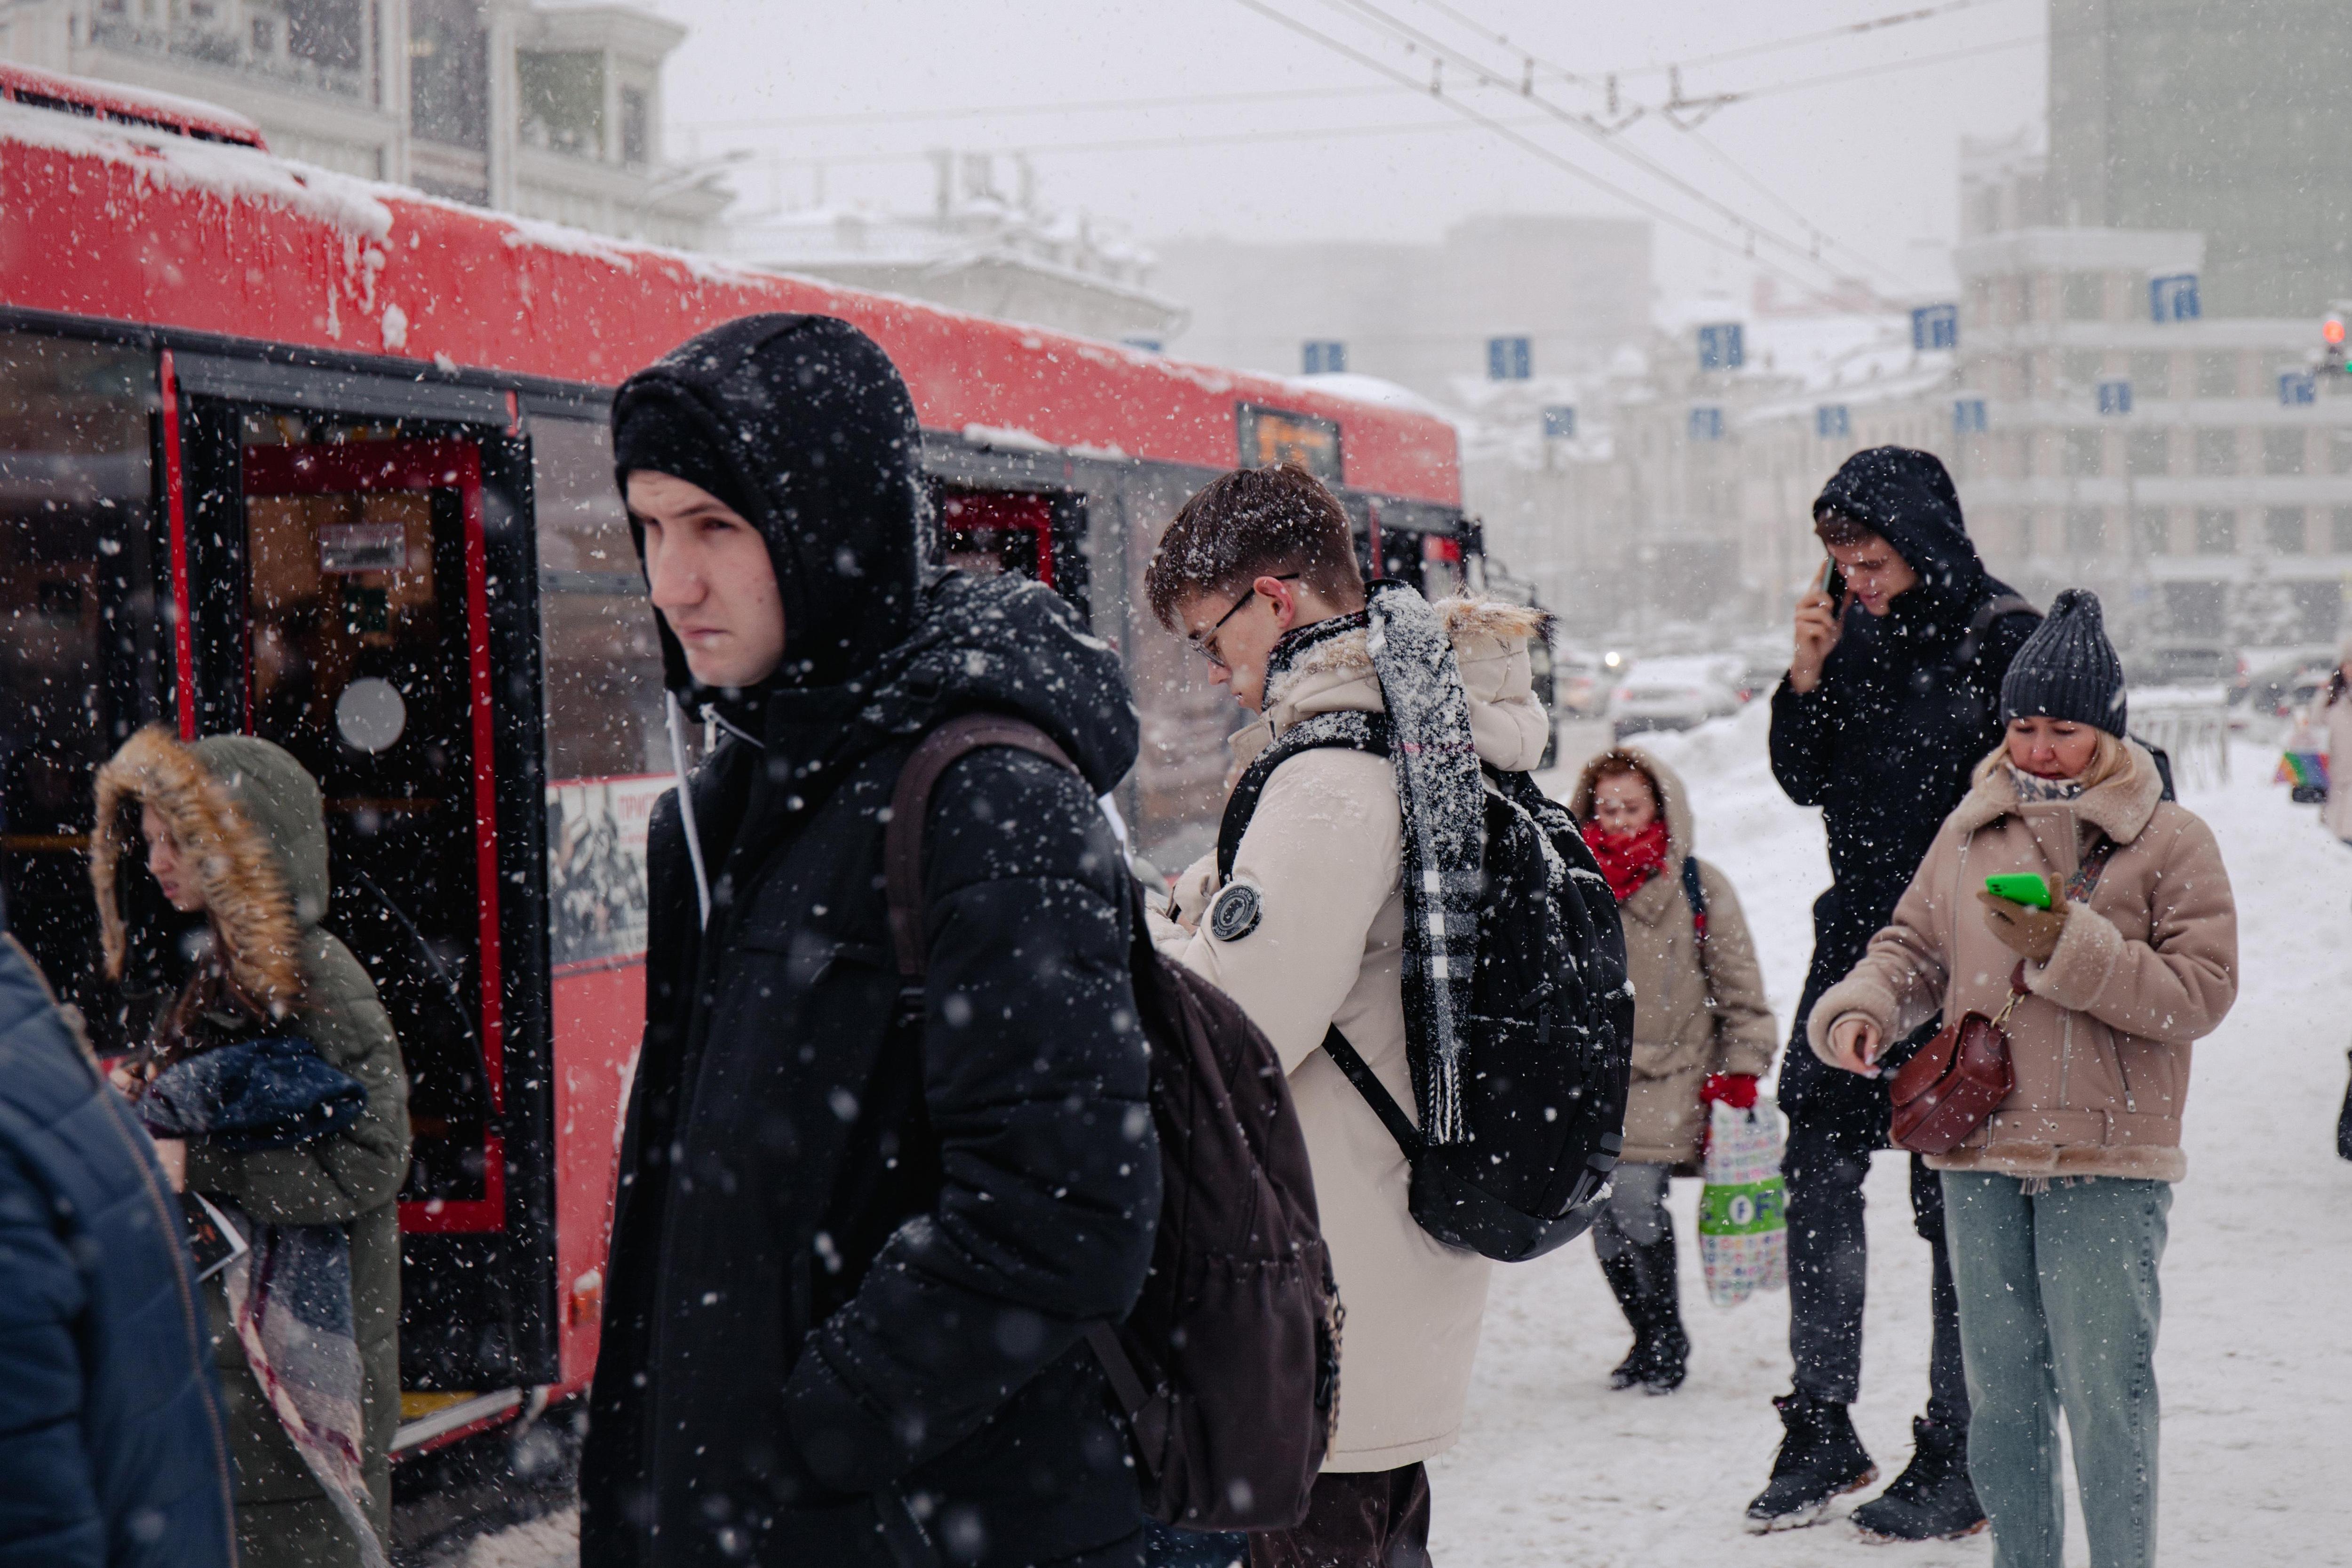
(1696, 1009)
(254, 823)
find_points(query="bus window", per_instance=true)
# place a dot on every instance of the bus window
(987, 533)
(607, 746)
(78, 626)
(366, 658)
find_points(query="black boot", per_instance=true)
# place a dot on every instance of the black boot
(1932, 1500)
(1820, 1459)
(1669, 1345)
(1623, 1273)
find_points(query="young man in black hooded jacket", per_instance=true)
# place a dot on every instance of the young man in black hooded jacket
(1892, 696)
(853, 1250)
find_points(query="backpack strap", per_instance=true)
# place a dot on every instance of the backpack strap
(1964, 652)
(1348, 730)
(910, 802)
(1695, 895)
(1376, 1094)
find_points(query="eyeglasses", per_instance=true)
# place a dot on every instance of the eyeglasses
(1205, 643)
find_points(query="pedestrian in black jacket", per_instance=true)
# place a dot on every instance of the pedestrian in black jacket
(112, 1453)
(854, 1248)
(1892, 696)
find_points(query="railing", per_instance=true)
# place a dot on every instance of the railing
(2192, 728)
(227, 50)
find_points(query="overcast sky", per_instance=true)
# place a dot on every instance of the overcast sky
(1279, 134)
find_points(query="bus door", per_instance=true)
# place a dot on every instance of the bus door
(1033, 533)
(359, 587)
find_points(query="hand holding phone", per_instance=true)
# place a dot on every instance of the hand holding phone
(1819, 614)
(2021, 888)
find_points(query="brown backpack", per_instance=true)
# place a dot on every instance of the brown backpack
(1228, 1367)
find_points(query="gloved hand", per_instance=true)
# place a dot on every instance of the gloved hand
(1735, 1090)
(2025, 930)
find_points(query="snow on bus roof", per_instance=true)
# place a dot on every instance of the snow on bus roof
(232, 170)
(128, 105)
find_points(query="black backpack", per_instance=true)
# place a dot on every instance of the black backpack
(1228, 1367)
(1548, 1046)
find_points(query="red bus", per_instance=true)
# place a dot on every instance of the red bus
(294, 455)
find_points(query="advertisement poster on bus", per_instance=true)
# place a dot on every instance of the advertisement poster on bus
(596, 868)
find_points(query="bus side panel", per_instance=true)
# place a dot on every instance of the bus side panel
(599, 1020)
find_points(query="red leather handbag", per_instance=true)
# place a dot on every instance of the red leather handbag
(1957, 1080)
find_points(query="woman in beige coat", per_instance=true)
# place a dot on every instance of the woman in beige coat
(1702, 1031)
(2057, 1206)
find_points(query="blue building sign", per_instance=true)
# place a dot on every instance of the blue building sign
(1969, 416)
(1935, 327)
(2172, 298)
(1559, 421)
(2297, 387)
(1832, 423)
(1510, 359)
(1721, 346)
(1706, 423)
(1325, 356)
(2115, 397)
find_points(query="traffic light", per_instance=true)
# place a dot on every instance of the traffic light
(2336, 358)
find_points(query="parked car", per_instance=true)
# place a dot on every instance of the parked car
(2185, 663)
(1675, 693)
(1579, 684)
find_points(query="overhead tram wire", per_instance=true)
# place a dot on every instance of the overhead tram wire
(1585, 128)
(997, 111)
(1148, 143)
(1670, 218)
(1886, 273)
(1850, 29)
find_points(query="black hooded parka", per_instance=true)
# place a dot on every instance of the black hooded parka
(854, 1248)
(1906, 707)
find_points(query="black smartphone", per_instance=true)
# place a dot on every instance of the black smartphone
(1834, 582)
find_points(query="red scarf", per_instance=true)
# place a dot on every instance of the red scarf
(1628, 862)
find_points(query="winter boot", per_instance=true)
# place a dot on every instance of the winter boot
(1820, 1459)
(1623, 1273)
(1669, 1345)
(1932, 1500)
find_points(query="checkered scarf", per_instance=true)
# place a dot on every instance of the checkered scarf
(1442, 796)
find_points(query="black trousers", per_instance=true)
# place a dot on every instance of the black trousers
(1829, 1268)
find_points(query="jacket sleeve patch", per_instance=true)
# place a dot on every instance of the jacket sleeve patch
(1235, 911)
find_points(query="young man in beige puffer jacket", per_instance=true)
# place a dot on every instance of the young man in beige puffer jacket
(2057, 1206)
(1258, 572)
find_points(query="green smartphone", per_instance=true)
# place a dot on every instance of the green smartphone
(2020, 888)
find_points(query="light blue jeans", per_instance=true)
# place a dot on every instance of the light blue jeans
(2059, 1304)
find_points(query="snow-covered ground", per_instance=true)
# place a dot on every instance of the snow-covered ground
(2255, 1359)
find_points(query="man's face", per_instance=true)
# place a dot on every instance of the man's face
(711, 579)
(1874, 573)
(1236, 632)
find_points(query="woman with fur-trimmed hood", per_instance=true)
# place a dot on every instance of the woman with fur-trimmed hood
(1702, 1031)
(233, 827)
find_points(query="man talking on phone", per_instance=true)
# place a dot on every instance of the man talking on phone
(1892, 696)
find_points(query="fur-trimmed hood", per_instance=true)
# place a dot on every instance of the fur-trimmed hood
(1490, 638)
(250, 820)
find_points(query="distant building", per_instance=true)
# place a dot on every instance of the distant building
(1423, 316)
(981, 248)
(2230, 120)
(550, 111)
(2162, 462)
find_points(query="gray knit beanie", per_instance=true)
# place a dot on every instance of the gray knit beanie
(2067, 669)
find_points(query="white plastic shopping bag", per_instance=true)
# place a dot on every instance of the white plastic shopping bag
(1743, 1231)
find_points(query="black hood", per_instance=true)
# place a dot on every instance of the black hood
(801, 425)
(1906, 498)
(1008, 645)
